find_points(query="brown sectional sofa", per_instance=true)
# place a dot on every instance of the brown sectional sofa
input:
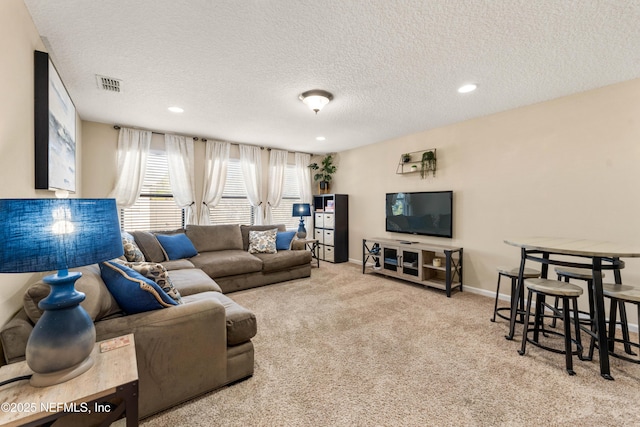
(222, 254)
(192, 348)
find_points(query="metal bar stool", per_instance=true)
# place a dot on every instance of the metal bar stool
(567, 273)
(511, 273)
(568, 293)
(619, 295)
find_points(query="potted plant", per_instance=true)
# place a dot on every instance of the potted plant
(406, 157)
(325, 169)
(428, 163)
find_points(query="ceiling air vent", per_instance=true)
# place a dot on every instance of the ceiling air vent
(109, 84)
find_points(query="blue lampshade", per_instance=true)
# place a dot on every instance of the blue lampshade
(301, 209)
(57, 234)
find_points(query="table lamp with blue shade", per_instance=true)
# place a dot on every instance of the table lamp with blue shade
(301, 210)
(58, 234)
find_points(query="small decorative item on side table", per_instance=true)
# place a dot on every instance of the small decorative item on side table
(301, 210)
(115, 374)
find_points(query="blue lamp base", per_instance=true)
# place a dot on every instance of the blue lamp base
(302, 232)
(62, 340)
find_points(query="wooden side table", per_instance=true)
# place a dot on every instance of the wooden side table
(312, 245)
(114, 374)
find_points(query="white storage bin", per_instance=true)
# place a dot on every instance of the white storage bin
(328, 253)
(319, 235)
(329, 220)
(319, 219)
(328, 237)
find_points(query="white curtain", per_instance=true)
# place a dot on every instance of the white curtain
(277, 165)
(215, 177)
(133, 149)
(251, 165)
(180, 161)
(303, 173)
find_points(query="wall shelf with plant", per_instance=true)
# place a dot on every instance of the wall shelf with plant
(423, 162)
(323, 173)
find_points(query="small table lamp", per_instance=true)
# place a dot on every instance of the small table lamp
(301, 210)
(58, 234)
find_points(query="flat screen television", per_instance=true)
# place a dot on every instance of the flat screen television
(427, 213)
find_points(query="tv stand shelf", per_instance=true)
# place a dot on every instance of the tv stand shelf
(414, 261)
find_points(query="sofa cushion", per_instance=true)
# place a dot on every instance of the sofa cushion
(284, 260)
(134, 292)
(149, 245)
(262, 242)
(98, 302)
(284, 239)
(215, 237)
(177, 246)
(226, 263)
(192, 281)
(178, 264)
(131, 251)
(241, 323)
(159, 274)
(245, 229)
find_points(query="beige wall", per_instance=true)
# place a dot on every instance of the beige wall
(567, 167)
(18, 39)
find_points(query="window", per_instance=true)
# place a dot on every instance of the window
(155, 208)
(234, 206)
(290, 195)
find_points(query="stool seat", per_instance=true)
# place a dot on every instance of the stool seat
(620, 295)
(576, 273)
(621, 292)
(553, 287)
(569, 294)
(512, 273)
(515, 272)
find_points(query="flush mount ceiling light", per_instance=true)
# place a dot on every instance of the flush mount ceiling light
(316, 99)
(467, 88)
(320, 138)
(176, 110)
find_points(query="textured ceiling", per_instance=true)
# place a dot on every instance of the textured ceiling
(237, 67)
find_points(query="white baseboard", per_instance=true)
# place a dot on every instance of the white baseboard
(487, 293)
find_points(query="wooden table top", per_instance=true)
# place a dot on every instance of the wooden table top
(581, 247)
(111, 369)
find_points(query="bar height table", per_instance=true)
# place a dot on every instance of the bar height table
(593, 255)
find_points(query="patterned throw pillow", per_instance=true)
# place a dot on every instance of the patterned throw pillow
(133, 292)
(131, 251)
(263, 242)
(158, 273)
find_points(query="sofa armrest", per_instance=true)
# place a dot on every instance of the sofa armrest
(14, 336)
(181, 351)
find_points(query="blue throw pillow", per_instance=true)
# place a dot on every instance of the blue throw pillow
(133, 292)
(177, 246)
(283, 240)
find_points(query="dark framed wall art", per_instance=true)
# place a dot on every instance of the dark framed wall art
(55, 129)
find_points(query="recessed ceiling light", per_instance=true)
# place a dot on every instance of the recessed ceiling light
(176, 110)
(467, 88)
(320, 138)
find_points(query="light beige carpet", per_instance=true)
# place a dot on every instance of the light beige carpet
(347, 349)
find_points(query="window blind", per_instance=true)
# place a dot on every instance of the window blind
(155, 208)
